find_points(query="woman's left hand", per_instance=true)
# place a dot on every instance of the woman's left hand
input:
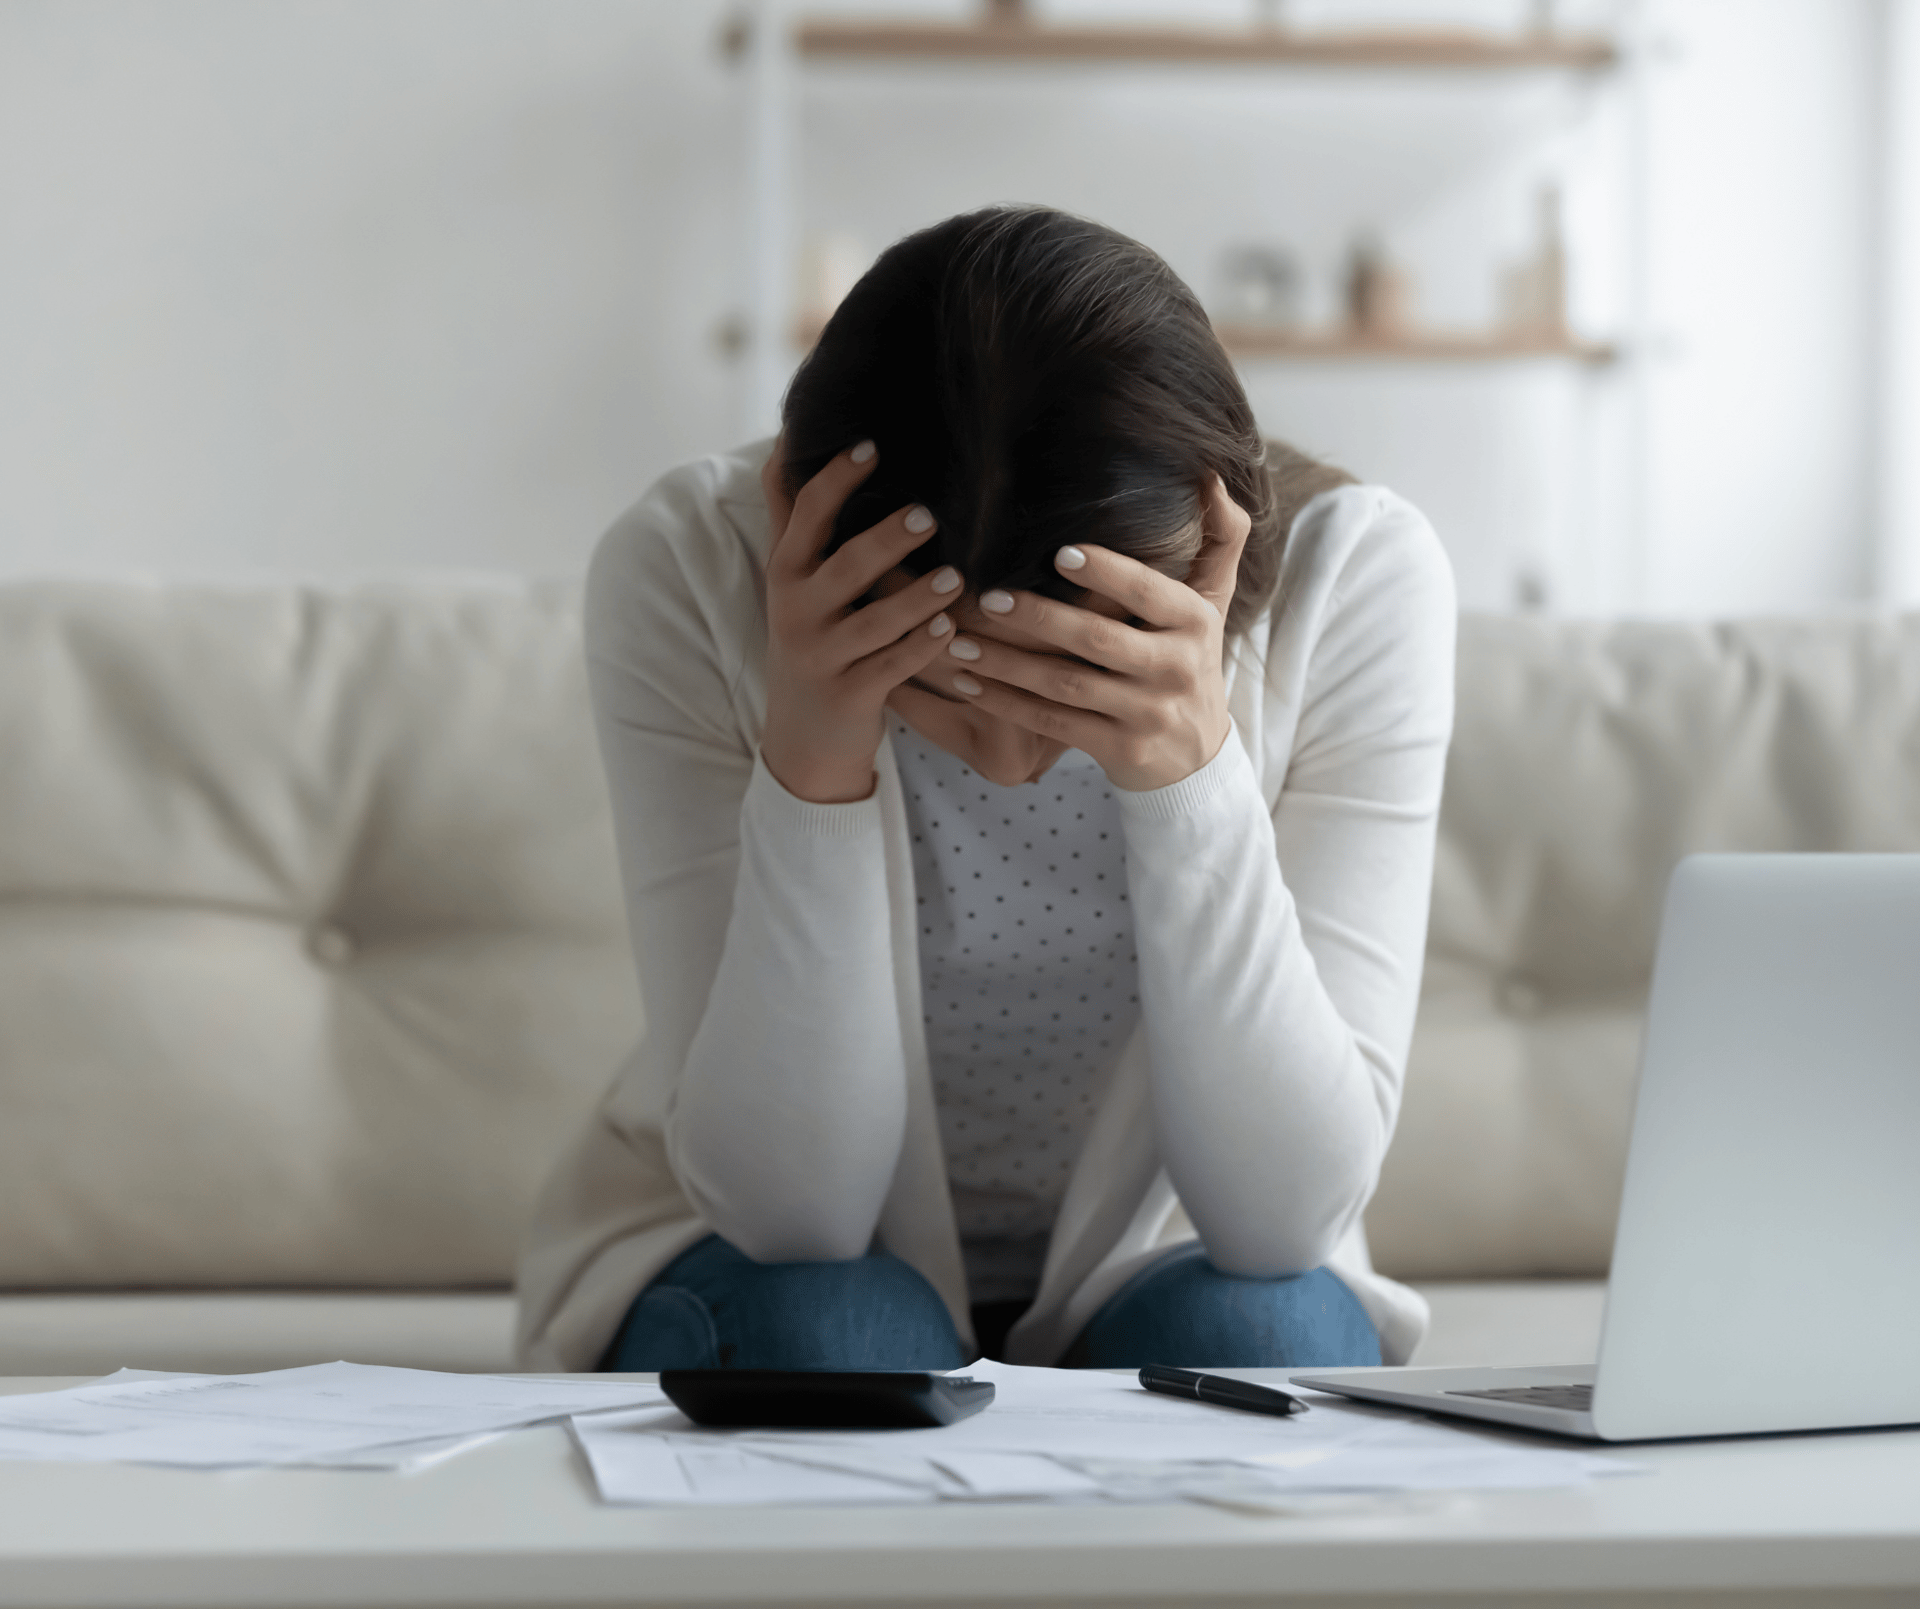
(1144, 696)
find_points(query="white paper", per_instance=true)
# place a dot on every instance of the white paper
(653, 1459)
(337, 1413)
(1067, 1435)
(1015, 1476)
(400, 1457)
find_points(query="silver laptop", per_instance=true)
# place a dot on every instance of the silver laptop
(1766, 1267)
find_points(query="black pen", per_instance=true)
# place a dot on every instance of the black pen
(1219, 1389)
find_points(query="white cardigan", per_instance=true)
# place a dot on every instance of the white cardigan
(1280, 902)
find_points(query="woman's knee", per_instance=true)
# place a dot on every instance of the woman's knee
(872, 1312)
(665, 1328)
(1183, 1311)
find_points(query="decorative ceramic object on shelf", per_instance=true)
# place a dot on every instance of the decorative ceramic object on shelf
(1533, 293)
(1377, 292)
(1260, 286)
(830, 265)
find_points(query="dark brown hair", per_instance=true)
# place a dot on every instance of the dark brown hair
(1034, 379)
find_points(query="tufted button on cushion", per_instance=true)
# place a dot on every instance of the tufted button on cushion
(1519, 998)
(331, 946)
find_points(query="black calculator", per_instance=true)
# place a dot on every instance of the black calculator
(806, 1399)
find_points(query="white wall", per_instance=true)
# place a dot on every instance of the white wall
(340, 285)
(1897, 493)
(1761, 420)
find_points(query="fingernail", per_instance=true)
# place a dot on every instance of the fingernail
(967, 685)
(940, 625)
(945, 579)
(997, 602)
(1070, 559)
(960, 648)
(918, 520)
(863, 454)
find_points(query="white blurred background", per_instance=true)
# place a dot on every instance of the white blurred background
(332, 287)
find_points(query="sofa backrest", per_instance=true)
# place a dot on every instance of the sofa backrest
(1587, 759)
(312, 950)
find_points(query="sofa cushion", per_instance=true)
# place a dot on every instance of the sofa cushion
(1587, 759)
(238, 1332)
(1517, 1322)
(311, 945)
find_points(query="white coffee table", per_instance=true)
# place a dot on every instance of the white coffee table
(1800, 1521)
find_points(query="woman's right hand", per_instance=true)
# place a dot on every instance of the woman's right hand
(832, 659)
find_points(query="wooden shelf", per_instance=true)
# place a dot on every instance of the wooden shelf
(1251, 341)
(1280, 47)
(1339, 346)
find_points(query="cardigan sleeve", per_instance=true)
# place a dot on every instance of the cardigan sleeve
(760, 922)
(1280, 951)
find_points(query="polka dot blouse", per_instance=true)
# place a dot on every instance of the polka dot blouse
(1029, 988)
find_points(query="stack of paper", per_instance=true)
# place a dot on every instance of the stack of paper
(1065, 1435)
(1051, 1435)
(341, 1415)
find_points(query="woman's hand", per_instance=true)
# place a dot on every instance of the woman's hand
(1148, 701)
(832, 660)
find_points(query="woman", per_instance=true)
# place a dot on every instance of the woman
(1025, 783)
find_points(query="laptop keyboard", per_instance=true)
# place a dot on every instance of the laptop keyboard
(1577, 1398)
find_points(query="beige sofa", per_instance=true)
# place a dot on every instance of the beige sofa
(311, 952)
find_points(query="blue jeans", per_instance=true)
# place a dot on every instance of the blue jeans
(713, 1307)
